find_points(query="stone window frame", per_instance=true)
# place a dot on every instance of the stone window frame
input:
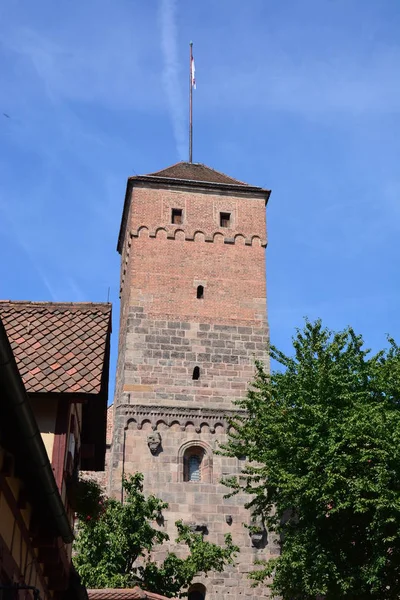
(206, 464)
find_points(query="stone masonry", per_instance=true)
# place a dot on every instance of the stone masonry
(193, 320)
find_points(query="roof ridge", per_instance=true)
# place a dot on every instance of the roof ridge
(135, 593)
(51, 304)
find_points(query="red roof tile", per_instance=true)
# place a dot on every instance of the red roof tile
(135, 593)
(195, 172)
(52, 341)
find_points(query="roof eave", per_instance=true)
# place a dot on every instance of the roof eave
(78, 306)
(96, 413)
(125, 210)
(18, 406)
(243, 188)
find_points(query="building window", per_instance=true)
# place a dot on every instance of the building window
(177, 216)
(224, 219)
(196, 373)
(197, 592)
(193, 463)
(200, 292)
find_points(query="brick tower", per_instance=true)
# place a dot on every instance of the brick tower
(193, 318)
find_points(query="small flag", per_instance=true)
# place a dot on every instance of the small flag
(193, 74)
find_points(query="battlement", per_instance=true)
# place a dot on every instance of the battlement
(176, 196)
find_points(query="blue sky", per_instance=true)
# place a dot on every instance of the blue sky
(300, 97)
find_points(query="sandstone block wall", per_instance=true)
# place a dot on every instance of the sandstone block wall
(161, 357)
(198, 503)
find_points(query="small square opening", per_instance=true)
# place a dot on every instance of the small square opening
(224, 219)
(176, 216)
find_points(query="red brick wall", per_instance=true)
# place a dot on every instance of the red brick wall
(151, 207)
(167, 272)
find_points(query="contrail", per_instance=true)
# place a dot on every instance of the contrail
(171, 73)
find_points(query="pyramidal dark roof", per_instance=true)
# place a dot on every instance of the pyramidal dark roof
(195, 172)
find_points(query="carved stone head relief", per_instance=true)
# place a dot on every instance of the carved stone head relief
(198, 527)
(154, 442)
(258, 533)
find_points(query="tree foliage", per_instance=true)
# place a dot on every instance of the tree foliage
(115, 541)
(323, 435)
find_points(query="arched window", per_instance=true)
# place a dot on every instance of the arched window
(193, 464)
(195, 460)
(196, 373)
(200, 292)
(197, 592)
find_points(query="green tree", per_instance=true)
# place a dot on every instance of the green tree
(115, 540)
(322, 435)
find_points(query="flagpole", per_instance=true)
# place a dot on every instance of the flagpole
(191, 105)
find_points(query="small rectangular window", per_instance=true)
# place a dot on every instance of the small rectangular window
(176, 217)
(224, 219)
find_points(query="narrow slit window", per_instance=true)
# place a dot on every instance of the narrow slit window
(177, 216)
(200, 292)
(225, 219)
(196, 373)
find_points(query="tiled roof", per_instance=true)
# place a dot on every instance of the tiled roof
(58, 347)
(196, 172)
(135, 593)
